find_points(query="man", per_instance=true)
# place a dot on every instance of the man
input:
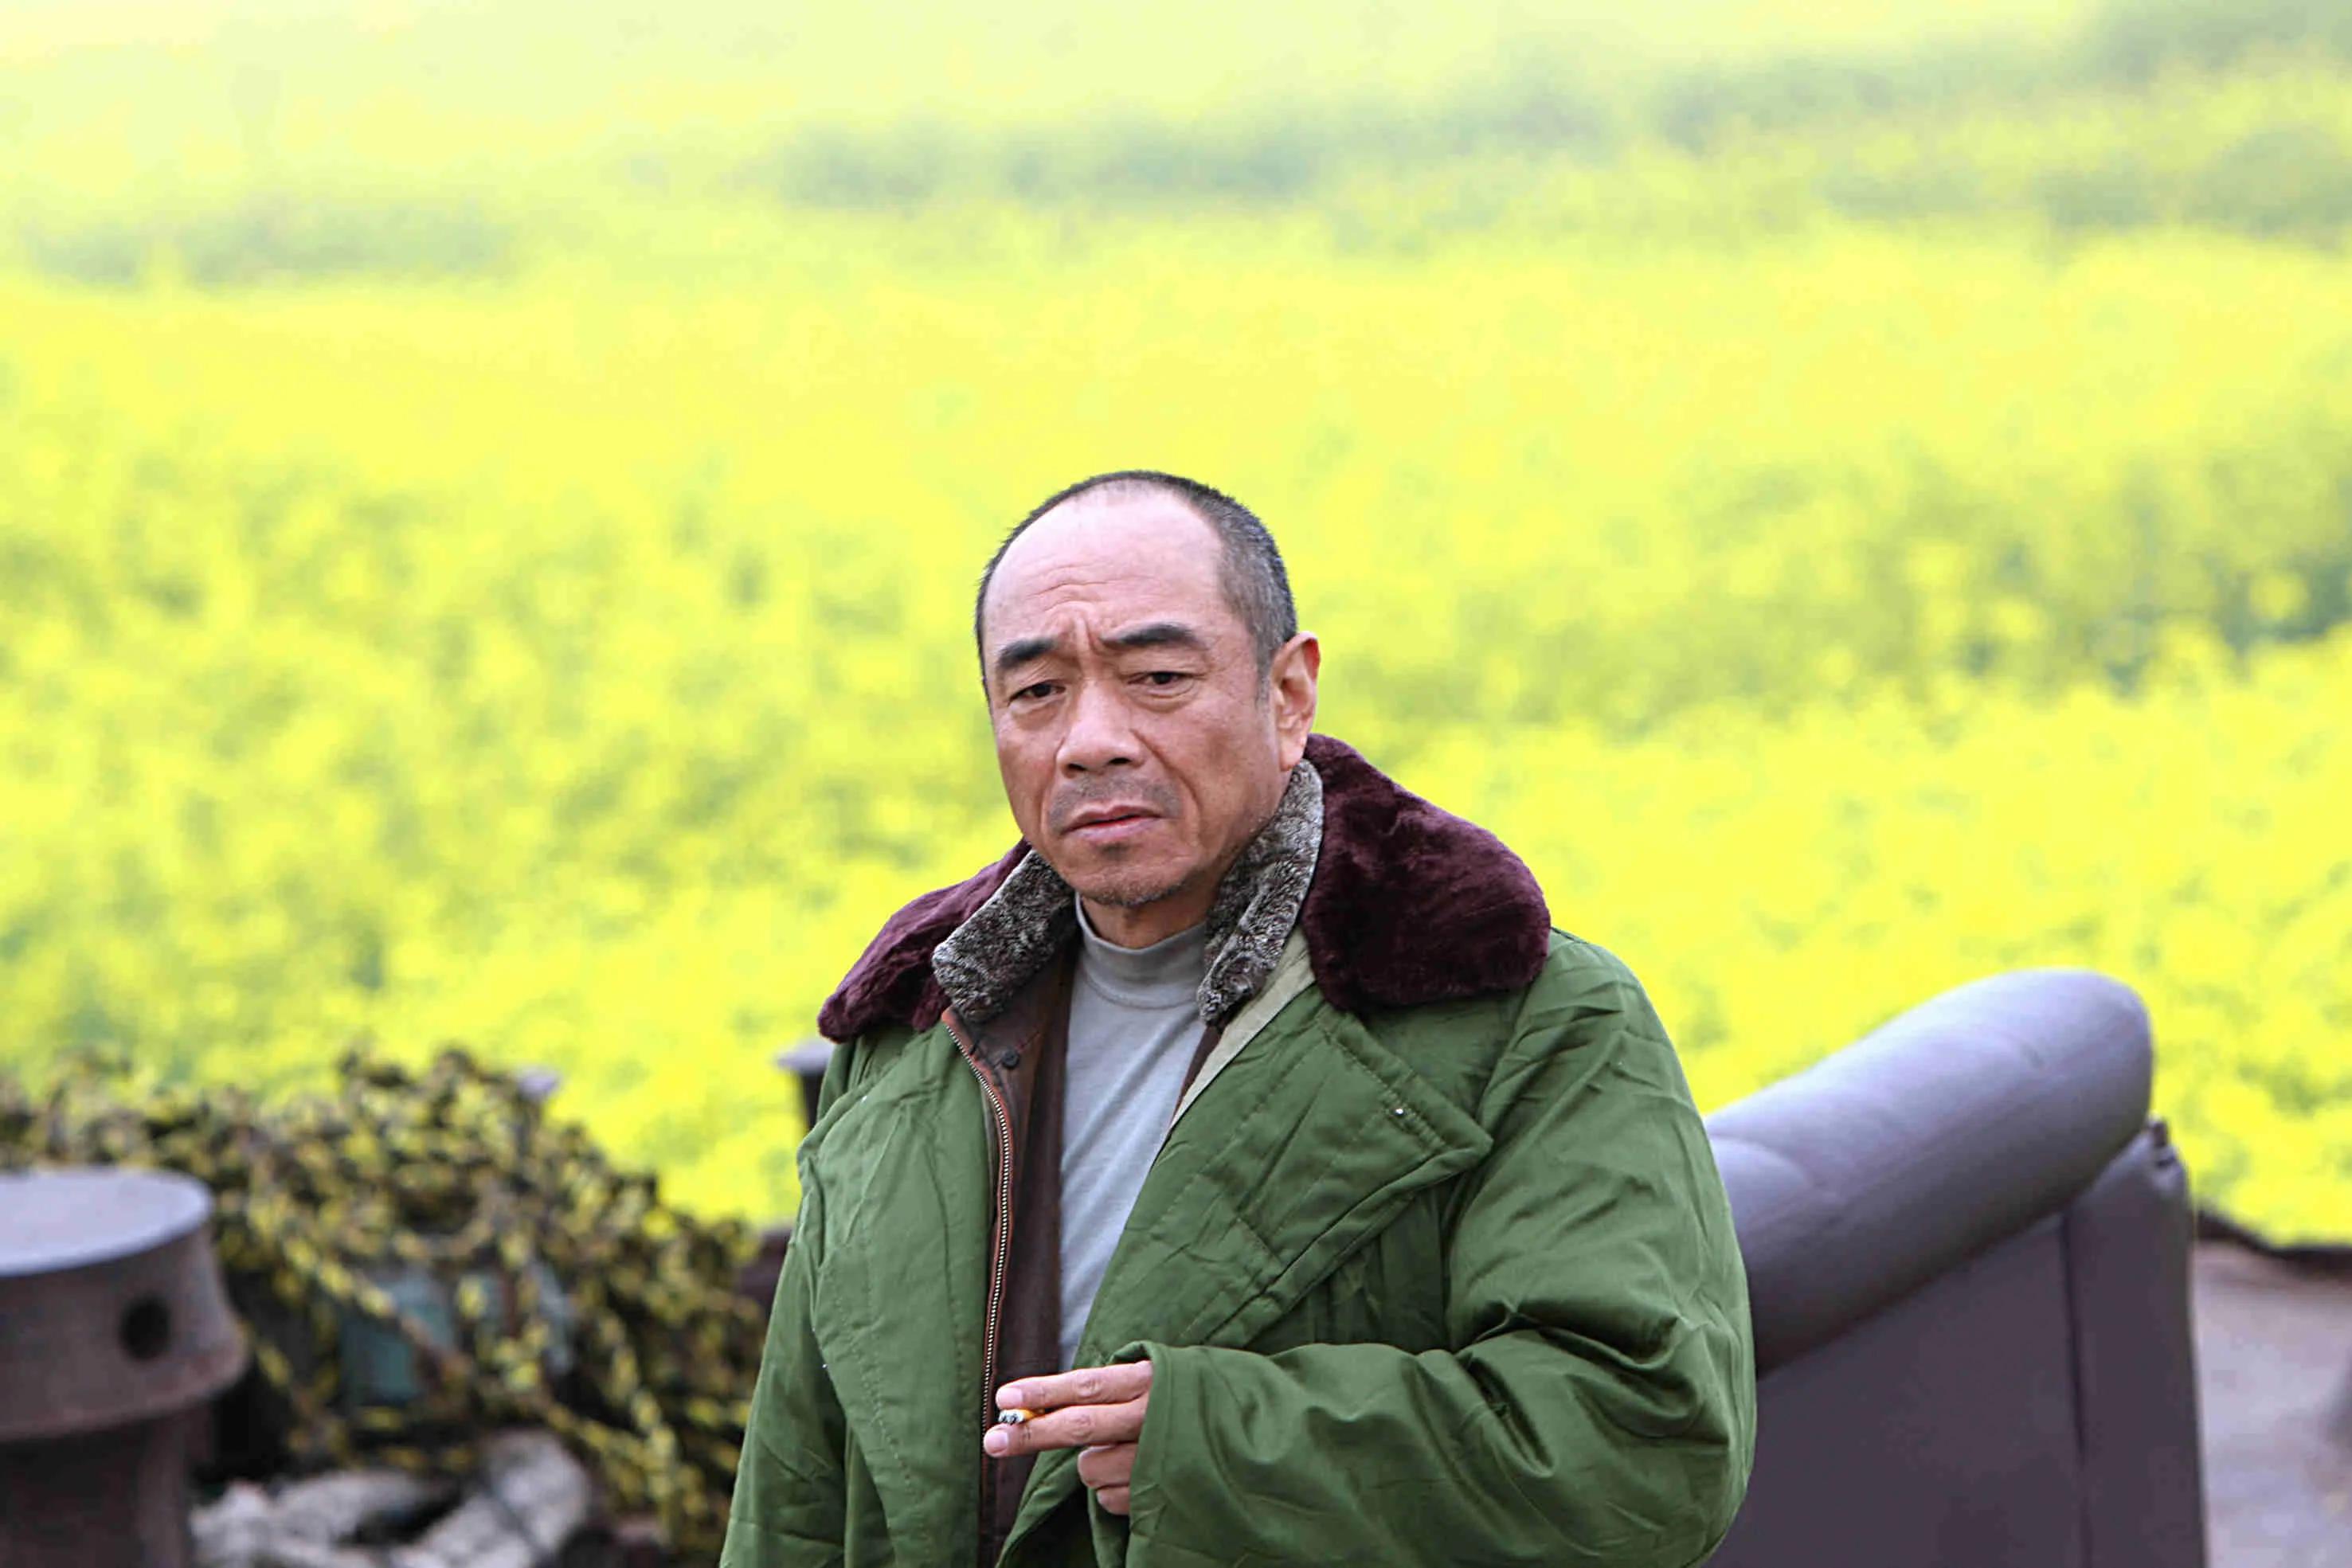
(1248, 1134)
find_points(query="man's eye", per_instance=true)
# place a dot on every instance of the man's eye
(1165, 677)
(1036, 689)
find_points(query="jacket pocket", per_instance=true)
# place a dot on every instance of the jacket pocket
(1391, 1289)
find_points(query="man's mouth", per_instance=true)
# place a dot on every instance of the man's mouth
(1109, 826)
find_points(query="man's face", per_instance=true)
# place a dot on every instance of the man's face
(1138, 746)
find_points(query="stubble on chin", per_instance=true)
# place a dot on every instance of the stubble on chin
(1118, 887)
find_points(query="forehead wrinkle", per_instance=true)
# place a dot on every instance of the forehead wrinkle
(1053, 583)
(1046, 576)
(1084, 594)
(1061, 588)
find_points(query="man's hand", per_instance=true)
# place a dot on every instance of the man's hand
(1097, 1410)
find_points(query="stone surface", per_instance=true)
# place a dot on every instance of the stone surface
(2274, 1381)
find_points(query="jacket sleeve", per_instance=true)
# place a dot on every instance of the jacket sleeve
(790, 1484)
(1599, 1403)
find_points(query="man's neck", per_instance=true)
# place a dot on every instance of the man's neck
(1141, 924)
(1161, 972)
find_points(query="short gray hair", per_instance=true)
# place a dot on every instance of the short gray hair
(1256, 584)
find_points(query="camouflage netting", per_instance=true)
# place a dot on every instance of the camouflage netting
(513, 1276)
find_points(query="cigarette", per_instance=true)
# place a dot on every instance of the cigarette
(1014, 1417)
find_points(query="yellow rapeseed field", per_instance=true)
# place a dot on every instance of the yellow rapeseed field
(523, 597)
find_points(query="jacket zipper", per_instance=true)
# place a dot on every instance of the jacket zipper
(1000, 1252)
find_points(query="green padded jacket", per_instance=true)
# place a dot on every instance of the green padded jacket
(1433, 1265)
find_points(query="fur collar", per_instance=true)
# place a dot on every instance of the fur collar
(1401, 905)
(982, 962)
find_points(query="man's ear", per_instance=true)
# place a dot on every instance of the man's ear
(1290, 690)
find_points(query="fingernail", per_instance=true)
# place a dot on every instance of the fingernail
(1009, 1395)
(996, 1442)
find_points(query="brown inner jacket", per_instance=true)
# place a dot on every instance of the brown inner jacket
(1023, 1049)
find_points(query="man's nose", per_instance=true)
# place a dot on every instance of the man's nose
(1101, 733)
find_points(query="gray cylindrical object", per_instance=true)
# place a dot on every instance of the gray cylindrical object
(115, 1328)
(806, 1063)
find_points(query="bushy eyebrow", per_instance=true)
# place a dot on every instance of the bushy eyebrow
(1151, 634)
(1159, 634)
(1019, 651)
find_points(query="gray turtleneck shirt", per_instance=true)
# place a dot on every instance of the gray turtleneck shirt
(1135, 1021)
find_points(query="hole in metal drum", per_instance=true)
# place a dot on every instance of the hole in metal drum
(146, 1328)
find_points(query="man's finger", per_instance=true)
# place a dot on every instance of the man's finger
(1074, 1427)
(1106, 1465)
(1113, 1498)
(1079, 1386)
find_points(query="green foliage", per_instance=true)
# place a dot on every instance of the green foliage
(273, 237)
(2135, 41)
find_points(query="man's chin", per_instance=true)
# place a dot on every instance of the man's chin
(1129, 895)
(1125, 887)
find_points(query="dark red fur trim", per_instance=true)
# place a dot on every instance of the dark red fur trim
(1409, 905)
(892, 982)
